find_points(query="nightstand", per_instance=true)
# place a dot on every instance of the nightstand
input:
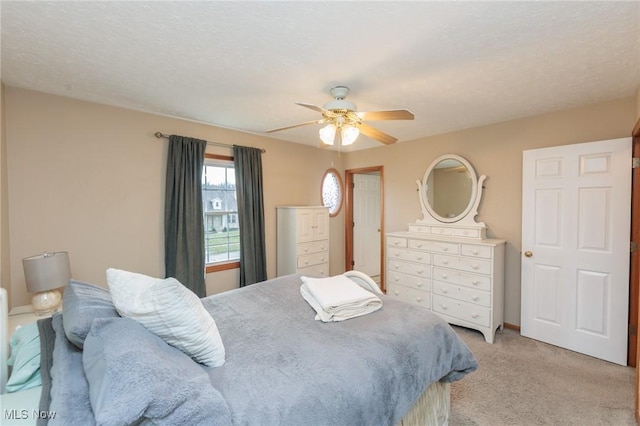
(22, 315)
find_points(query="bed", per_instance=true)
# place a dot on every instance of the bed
(281, 367)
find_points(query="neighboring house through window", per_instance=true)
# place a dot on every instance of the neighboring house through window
(220, 209)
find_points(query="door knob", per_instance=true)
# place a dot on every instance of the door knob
(528, 253)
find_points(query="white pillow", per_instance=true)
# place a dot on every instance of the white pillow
(171, 311)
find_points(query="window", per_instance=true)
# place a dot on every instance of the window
(220, 209)
(332, 191)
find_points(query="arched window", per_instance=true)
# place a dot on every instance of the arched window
(332, 191)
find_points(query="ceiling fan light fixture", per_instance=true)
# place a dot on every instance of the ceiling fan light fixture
(349, 134)
(327, 134)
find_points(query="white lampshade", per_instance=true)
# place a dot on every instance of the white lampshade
(349, 135)
(327, 134)
(44, 274)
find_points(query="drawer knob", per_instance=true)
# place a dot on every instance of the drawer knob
(466, 232)
(474, 266)
(445, 276)
(474, 315)
(445, 262)
(396, 254)
(475, 298)
(475, 282)
(474, 252)
(306, 250)
(396, 293)
(444, 291)
(445, 248)
(419, 257)
(419, 299)
(395, 243)
(443, 306)
(419, 284)
(420, 271)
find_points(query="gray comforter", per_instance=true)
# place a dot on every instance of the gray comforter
(285, 368)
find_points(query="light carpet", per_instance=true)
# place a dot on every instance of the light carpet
(522, 381)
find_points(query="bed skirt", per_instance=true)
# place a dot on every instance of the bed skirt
(432, 408)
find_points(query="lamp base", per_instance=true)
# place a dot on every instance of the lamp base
(46, 302)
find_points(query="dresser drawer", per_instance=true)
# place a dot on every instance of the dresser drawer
(435, 246)
(312, 247)
(410, 268)
(466, 233)
(438, 230)
(396, 242)
(410, 295)
(480, 282)
(313, 259)
(411, 255)
(465, 294)
(419, 283)
(464, 264)
(321, 269)
(475, 251)
(465, 311)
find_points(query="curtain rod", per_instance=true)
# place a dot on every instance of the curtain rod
(162, 135)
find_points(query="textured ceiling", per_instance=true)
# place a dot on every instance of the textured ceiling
(242, 65)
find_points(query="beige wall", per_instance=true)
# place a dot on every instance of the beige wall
(5, 279)
(638, 101)
(89, 179)
(495, 151)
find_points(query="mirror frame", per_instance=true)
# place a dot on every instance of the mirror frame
(474, 188)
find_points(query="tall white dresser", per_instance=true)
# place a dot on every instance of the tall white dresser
(444, 262)
(302, 240)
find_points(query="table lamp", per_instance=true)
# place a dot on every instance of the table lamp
(44, 275)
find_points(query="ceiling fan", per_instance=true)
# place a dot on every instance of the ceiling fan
(340, 114)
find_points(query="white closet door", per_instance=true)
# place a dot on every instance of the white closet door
(576, 211)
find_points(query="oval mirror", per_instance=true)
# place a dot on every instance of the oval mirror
(449, 188)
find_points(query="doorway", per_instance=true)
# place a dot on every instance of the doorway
(364, 221)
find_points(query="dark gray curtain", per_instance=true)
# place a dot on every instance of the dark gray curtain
(183, 221)
(248, 167)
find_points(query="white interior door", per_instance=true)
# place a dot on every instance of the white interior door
(366, 223)
(576, 212)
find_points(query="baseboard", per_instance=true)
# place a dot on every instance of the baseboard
(512, 327)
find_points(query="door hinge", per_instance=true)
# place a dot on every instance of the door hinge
(633, 329)
(633, 246)
(635, 162)
(353, 263)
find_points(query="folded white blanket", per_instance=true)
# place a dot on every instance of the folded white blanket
(338, 298)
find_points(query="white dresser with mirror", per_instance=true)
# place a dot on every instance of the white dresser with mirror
(444, 262)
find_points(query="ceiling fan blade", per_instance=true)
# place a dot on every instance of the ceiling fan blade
(376, 134)
(293, 126)
(313, 107)
(396, 114)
